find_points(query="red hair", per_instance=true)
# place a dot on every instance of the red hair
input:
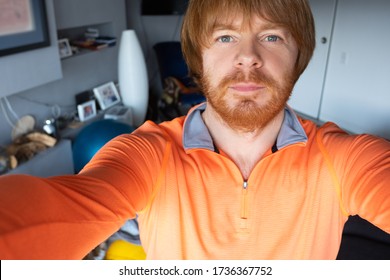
(203, 15)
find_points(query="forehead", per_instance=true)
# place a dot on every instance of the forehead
(240, 22)
(244, 14)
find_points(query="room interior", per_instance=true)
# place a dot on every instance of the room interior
(345, 83)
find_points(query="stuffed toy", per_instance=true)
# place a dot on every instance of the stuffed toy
(26, 146)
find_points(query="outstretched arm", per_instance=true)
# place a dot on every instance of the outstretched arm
(65, 217)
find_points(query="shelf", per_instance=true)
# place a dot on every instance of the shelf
(81, 52)
(78, 33)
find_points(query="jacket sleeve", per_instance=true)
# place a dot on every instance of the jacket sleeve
(65, 217)
(362, 164)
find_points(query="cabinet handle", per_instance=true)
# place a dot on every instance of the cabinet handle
(324, 40)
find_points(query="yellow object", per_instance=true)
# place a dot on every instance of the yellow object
(123, 250)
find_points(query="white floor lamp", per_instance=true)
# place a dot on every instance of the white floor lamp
(133, 76)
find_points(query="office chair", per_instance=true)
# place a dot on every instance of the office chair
(179, 91)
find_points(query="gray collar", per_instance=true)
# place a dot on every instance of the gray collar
(196, 134)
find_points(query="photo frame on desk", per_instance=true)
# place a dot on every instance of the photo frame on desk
(23, 26)
(64, 48)
(107, 95)
(86, 110)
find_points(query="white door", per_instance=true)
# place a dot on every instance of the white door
(357, 85)
(307, 93)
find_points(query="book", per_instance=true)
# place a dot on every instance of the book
(110, 41)
(89, 43)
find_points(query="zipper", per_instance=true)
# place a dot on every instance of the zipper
(244, 207)
(244, 202)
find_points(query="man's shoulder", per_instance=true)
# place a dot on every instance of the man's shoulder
(315, 128)
(338, 139)
(164, 131)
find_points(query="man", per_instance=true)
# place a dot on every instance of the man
(240, 177)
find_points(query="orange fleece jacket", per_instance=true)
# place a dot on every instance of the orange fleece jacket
(192, 201)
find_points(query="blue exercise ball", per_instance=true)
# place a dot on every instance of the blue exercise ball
(92, 137)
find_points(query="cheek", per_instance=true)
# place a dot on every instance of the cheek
(206, 61)
(291, 60)
(215, 66)
(210, 69)
(281, 66)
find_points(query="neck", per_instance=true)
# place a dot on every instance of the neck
(245, 149)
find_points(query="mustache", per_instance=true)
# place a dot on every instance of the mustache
(251, 77)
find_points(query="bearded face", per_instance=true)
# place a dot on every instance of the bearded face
(252, 108)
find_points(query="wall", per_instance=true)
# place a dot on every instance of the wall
(79, 73)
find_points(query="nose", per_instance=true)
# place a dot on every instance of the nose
(248, 56)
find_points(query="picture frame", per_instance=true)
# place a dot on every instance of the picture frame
(107, 95)
(86, 110)
(64, 48)
(23, 26)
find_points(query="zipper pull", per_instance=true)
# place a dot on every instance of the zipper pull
(244, 202)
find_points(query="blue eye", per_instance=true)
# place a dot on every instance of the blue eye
(272, 38)
(225, 39)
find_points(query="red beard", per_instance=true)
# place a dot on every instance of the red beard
(248, 115)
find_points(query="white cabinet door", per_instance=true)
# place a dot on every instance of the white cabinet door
(357, 91)
(307, 93)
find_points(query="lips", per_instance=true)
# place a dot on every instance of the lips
(246, 87)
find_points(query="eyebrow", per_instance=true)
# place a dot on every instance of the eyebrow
(232, 26)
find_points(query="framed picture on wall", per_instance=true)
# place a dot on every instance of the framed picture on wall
(23, 26)
(86, 110)
(107, 95)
